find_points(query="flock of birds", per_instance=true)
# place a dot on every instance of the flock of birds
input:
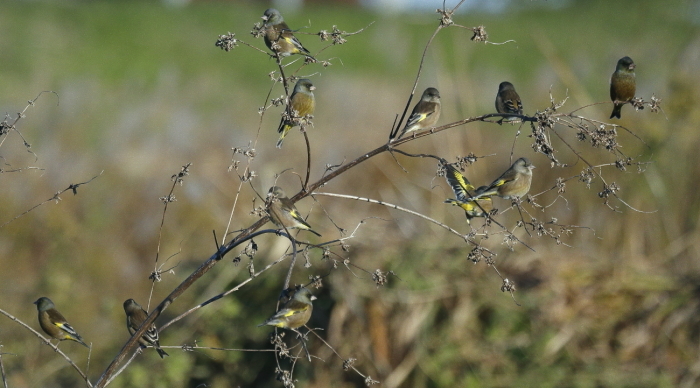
(297, 302)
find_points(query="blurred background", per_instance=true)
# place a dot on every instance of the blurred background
(142, 90)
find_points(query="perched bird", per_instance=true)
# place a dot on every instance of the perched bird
(425, 114)
(135, 315)
(622, 85)
(295, 312)
(283, 213)
(301, 103)
(508, 101)
(279, 37)
(514, 182)
(463, 191)
(54, 324)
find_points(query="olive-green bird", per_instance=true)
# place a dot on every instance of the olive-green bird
(514, 182)
(135, 315)
(301, 103)
(295, 312)
(508, 101)
(425, 114)
(283, 213)
(278, 33)
(463, 190)
(622, 85)
(54, 324)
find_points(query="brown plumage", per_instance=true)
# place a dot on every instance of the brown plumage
(622, 85)
(279, 37)
(508, 101)
(295, 312)
(283, 213)
(514, 182)
(135, 315)
(425, 114)
(301, 103)
(54, 324)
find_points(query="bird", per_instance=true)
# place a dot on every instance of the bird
(463, 190)
(514, 182)
(295, 312)
(425, 114)
(54, 324)
(283, 213)
(279, 38)
(622, 85)
(508, 101)
(301, 103)
(135, 315)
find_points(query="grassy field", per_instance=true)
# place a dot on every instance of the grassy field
(140, 90)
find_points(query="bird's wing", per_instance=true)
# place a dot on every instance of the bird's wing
(292, 308)
(459, 183)
(67, 328)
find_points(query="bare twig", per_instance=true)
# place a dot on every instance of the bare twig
(56, 197)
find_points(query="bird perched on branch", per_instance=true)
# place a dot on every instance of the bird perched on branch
(295, 312)
(514, 182)
(508, 101)
(425, 114)
(622, 85)
(283, 213)
(279, 37)
(463, 190)
(301, 103)
(135, 316)
(54, 324)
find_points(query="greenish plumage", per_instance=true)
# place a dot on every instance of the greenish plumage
(295, 312)
(135, 316)
(622, 85)
(463, 190)
(514, 182)
(54, 324)
(301, 103)
(508, 101)
(278, 33)
(425, 114)
(283, 213)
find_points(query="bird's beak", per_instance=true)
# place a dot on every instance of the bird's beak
(312, 88)
(313, 297)
(264, 18)
(532, 166)
(632, 66)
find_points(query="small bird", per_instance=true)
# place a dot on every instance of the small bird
(54, 324)
(508, 101)
(514, 182)
(425, 114)
(283, 213)
(295, 312)
(135, 315)
(279, 38)
(301, 103)
(463, 190)
(622, 85)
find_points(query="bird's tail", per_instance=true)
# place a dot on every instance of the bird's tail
(80, 341)
(161, 352)
(616, 111)
(283, 130)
